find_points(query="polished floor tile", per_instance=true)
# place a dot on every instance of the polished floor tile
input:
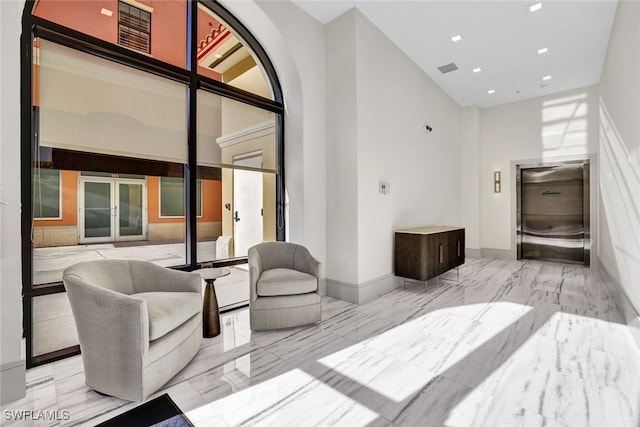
(508, 343)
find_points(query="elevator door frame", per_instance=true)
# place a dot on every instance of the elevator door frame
(586, 188)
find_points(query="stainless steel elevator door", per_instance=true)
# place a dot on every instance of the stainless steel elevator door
(552, 213)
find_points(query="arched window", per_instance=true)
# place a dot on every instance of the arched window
(150, 130)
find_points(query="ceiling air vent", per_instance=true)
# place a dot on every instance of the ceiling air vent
(448, 68)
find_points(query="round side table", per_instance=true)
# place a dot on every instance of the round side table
(210, 310)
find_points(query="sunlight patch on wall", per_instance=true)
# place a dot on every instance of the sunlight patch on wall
(565, 126)
(620, 189)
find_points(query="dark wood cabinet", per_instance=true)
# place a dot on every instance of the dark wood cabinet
(426, 252)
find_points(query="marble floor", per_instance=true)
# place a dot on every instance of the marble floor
(512, 344)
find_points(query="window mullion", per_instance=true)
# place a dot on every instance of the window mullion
(192, 162)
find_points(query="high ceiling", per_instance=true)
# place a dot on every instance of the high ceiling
(500, 37)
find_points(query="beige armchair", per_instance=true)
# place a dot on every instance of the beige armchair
(138, 323)
(284, 286)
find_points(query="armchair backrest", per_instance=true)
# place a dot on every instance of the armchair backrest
(132, 276)
(276, 254)
(270, 255)
(110, 274)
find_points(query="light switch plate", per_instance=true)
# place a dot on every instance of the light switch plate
(384, 187)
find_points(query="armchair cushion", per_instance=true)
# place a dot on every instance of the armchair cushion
(284, 281)
(168, 310)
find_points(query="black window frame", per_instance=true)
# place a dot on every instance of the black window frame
(34, 26)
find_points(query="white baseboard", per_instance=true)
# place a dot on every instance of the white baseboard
(488, 253)
(363, 292)
(342, 290)
(497, 253)
(473, 253)
(12, 381)
(628, 311)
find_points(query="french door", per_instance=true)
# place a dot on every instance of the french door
(112, 210)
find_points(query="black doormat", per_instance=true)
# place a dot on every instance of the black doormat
(159, 412)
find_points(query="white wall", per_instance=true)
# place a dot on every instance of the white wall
(374, 130)
(470, 188)
(11, 359)
(553, 127)
(342, 152)
(619, 250)
(395, 99)
(378, 103)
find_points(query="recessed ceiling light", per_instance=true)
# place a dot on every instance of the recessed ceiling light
(491, 92)
(543, 50)
(534, 7)
(477, 70)
(456, 38)
(106, 12)
(546, 78)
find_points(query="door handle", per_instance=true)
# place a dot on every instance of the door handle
(236, 218)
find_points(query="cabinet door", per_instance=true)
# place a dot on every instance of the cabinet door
(437, 254)
(455, 248)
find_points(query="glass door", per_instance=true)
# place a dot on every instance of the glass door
(131, 211)
(97, 211)
(112, 210)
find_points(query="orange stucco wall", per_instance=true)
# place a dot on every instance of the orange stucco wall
(83, 16)
(69, 202)
(153, 196)
(211, 199)
(168, 23)
(169, 31)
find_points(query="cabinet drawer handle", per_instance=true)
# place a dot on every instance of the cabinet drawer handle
(458, 247)
(441, 254)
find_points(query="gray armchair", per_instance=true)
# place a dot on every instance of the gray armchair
(138, 323)
(284, 284)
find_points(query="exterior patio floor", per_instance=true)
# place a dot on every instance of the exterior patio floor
(48, 263)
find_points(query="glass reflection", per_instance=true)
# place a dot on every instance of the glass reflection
(225, 57)
(108, 137)
(154, 28)
(237, 160)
